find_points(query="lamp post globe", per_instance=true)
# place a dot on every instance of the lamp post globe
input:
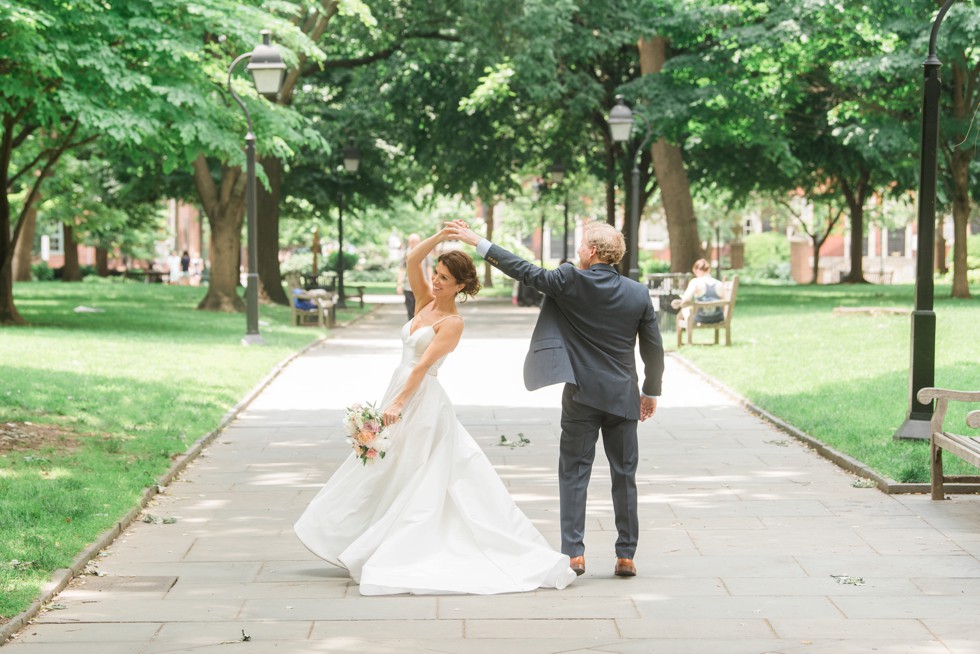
(620, 121)
(267, 67)
(352, 158)
(557, 172)
(267, 71)
(352, 161)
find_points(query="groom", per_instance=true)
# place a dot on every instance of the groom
(586, 337)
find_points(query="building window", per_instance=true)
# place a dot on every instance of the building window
(56, 240)
(896, 242)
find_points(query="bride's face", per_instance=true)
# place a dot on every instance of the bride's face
(443, 283)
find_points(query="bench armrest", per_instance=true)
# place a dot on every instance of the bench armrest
(943, 397)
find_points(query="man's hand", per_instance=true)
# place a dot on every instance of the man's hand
(648, 406)
(463, 232)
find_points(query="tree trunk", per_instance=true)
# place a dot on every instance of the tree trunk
(959, 163)
(267, 206)
(488, 211)
(941, 266)
(101, 261)
(8, 312)
(71, 272)
(961, 219)
(24, 249)
(816, 260)
(225, 209)
(668, 164)
(314, 23)
(855, 198)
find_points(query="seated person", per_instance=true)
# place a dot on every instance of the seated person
(703, 288)
(302, 304)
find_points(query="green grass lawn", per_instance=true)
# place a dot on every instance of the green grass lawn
(843, 379)
(95, 405)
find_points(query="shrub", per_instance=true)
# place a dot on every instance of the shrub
(973, 252)
(350, 261)
(767, 256)
(42, 272)
(649, 265)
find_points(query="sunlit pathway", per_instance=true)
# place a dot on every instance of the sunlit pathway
(750, 543)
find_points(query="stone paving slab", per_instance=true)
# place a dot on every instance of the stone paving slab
(746, 535)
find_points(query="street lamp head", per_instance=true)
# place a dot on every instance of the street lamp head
(267, 67)
(557, 171)
(620, 121)
(352, 158)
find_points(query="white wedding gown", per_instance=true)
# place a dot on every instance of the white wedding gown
(432, 516)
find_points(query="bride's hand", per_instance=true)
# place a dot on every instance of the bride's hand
(392, 414)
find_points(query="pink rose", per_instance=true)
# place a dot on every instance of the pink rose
(371, 454)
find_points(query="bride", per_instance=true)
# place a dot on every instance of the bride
(432, 516)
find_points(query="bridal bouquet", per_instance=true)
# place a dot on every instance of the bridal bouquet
(365, 432)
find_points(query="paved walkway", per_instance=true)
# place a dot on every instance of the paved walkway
(750, 543)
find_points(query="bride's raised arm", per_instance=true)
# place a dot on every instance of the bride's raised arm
(422, 287)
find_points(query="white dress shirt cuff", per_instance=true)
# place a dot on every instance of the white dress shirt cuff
(483, 247)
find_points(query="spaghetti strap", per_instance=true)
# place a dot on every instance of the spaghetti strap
(454, 315)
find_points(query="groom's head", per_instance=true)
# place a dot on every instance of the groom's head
(601, 243)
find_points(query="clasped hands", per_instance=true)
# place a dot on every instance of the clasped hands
(458, 230)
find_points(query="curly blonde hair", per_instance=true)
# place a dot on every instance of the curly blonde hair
(609, 244)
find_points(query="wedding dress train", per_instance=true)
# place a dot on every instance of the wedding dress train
(432, 516)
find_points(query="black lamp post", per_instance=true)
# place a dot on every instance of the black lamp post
(922, 367)
(557, 177)
(267, 71)
(352, 161)
(621, 127)
(542, 187)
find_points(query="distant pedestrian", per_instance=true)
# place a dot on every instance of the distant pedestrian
(185, 268)
(413, 241)
(173, 267)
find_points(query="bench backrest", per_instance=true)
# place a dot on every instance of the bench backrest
(726, 303)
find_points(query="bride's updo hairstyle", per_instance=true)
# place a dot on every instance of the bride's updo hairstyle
(460, 266)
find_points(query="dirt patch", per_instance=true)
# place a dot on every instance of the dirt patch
(870, 311)
(34, 437)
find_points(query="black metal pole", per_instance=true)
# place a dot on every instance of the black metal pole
(633, 239)
(542, 236)
(252, 336)
(564, 245)
(922, 367)
(717, 252)
(341, 302)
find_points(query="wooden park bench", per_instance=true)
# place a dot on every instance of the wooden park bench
(317, 306)
(327, 280)
(966, 448)
(727, 304)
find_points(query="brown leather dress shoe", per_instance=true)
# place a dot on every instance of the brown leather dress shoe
(577, 563)
(625, 568)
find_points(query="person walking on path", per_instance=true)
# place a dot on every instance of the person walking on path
(585, 337)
